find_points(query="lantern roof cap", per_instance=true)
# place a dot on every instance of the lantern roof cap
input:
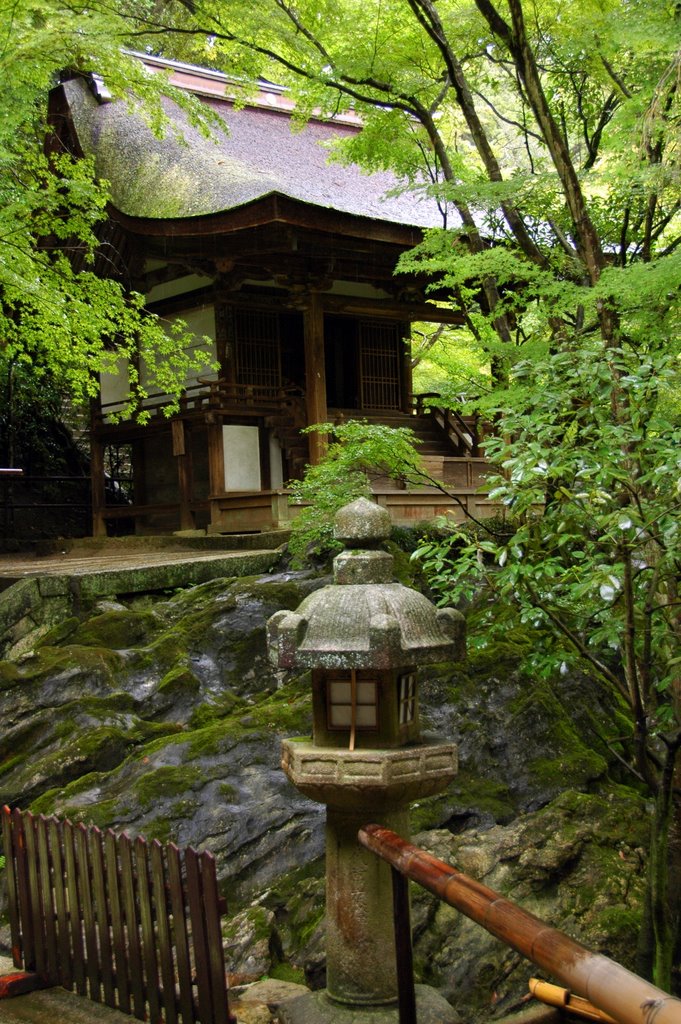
(364, 619)
(362, 523)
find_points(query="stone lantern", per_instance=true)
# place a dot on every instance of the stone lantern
(364, 638)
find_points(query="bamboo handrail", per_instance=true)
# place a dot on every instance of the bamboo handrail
(605, 983)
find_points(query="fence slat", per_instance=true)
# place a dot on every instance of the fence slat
(103, 918)
(164, 933)
(135, 925)
(26, 915)
(56, 839)
(216, 956)
(184, 969)
(88, 914)
(75, 909)
(113, 884)
(13, 894)
(198, 933)
(147, 926)
(40, 961)
(47, 897)
(132, 925)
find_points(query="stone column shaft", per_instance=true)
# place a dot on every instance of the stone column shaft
(360, 941)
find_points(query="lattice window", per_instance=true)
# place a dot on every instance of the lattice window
(380, 365)
(257, 349)
(340, 703)
(407, 698)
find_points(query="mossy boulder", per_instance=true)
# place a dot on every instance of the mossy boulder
(572, 864)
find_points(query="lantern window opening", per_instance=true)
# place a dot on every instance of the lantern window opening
(344, 712)
(407, 698)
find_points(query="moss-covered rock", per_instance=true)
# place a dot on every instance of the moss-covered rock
(571, 863)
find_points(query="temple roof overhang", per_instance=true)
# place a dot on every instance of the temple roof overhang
(253, 164)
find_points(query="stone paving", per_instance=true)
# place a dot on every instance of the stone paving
(252, 1004)
(15, 567)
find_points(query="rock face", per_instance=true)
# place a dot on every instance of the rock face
(165, 718)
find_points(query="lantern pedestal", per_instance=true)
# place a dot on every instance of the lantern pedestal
(359, 787)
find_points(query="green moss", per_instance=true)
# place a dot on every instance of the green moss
(260, 923)
(211, 712)
(102, 814)
(287, 972)
(555, 730)
(287, 711)
(59, 633)
(179, 680)
(160, 829)
(11, 762)
(484, 794)
(51, 661)
(118, 630)
(486, 658)
(183, 809)
(166, 781)
(280, 594)
(9, 675)
(582, 765)
(46, 802)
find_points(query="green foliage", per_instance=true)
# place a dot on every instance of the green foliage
(592, 559)
(357, 453)
(59, 321)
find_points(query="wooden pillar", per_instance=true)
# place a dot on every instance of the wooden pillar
(315, 374)
(264, 448)
(407, 375)
(97, 472)
(216, 465)
(183, 455)
(216, 462)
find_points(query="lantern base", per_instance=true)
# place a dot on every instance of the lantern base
(317, 1008)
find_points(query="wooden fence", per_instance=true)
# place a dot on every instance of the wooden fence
(132, 924)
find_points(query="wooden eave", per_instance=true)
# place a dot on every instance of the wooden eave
(273, 209)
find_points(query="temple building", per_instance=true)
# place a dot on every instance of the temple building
(282, 265)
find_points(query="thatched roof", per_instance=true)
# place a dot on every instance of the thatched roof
(186, 175)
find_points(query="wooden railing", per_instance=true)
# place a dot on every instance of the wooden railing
(132, 924)
(208, 393)
(461, 432)
(603, 982)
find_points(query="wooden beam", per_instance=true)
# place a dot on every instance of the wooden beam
(315, 374)
(393, 309)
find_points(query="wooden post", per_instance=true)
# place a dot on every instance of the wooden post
(315, 374)
(407, 375)
(97, 486)
(264, 449)
(183, 454)
(216, 465)
(406, 995)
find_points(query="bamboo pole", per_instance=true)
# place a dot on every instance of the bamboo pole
(603, 982)
(563, 999)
